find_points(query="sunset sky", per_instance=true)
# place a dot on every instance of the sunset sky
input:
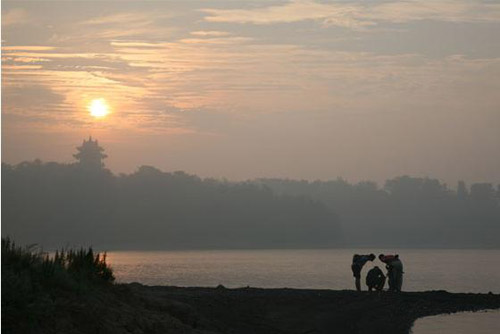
(244, 89)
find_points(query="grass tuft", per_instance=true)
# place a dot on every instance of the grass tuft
(34, 282)
(82, 265)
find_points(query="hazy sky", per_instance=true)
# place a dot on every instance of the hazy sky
(243, 89)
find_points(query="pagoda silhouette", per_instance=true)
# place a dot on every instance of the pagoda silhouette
(90, 155)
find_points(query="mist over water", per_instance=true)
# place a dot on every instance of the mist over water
(425, 269)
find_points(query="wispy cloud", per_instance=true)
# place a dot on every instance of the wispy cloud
(121, 19)
(295, 11)
(447, 10)
(358, 14)
(143, 71)
(27, 48)
(217, 40)
(14, 16)
(211, 33)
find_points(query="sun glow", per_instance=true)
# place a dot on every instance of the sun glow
(98, 108)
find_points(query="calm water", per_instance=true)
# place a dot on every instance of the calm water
(451, 270)
(459, 323)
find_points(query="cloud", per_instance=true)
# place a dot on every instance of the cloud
(452, 11)
(120, 19)
(27, 48)
(29, 98)
(129, 25)
(143, 70)
(223, 40)
(291, 12)
(144, 79)
(359, 14)
(15, 16)
(212, 33)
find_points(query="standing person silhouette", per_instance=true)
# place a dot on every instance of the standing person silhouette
(394, 271)
(358, 261)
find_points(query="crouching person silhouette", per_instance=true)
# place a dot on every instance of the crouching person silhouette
(375, 279)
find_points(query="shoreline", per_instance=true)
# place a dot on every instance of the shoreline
(132, 308)
(284, 310)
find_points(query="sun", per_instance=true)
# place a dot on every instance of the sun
(98, 108)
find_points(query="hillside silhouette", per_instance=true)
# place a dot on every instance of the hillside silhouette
(83, 203)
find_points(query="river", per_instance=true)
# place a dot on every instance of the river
(425, 269)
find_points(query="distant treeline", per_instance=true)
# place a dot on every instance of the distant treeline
(57, 205)
(407, 211)
(65, 204)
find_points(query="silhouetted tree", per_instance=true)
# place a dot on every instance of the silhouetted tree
(407, 212)
(483, 192)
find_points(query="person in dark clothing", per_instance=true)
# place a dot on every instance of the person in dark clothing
(375, 279)
(390, 276)
(394, 271)
(358, 261)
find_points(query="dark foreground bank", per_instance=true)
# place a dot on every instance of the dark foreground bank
(72, 292)
(135, 308)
